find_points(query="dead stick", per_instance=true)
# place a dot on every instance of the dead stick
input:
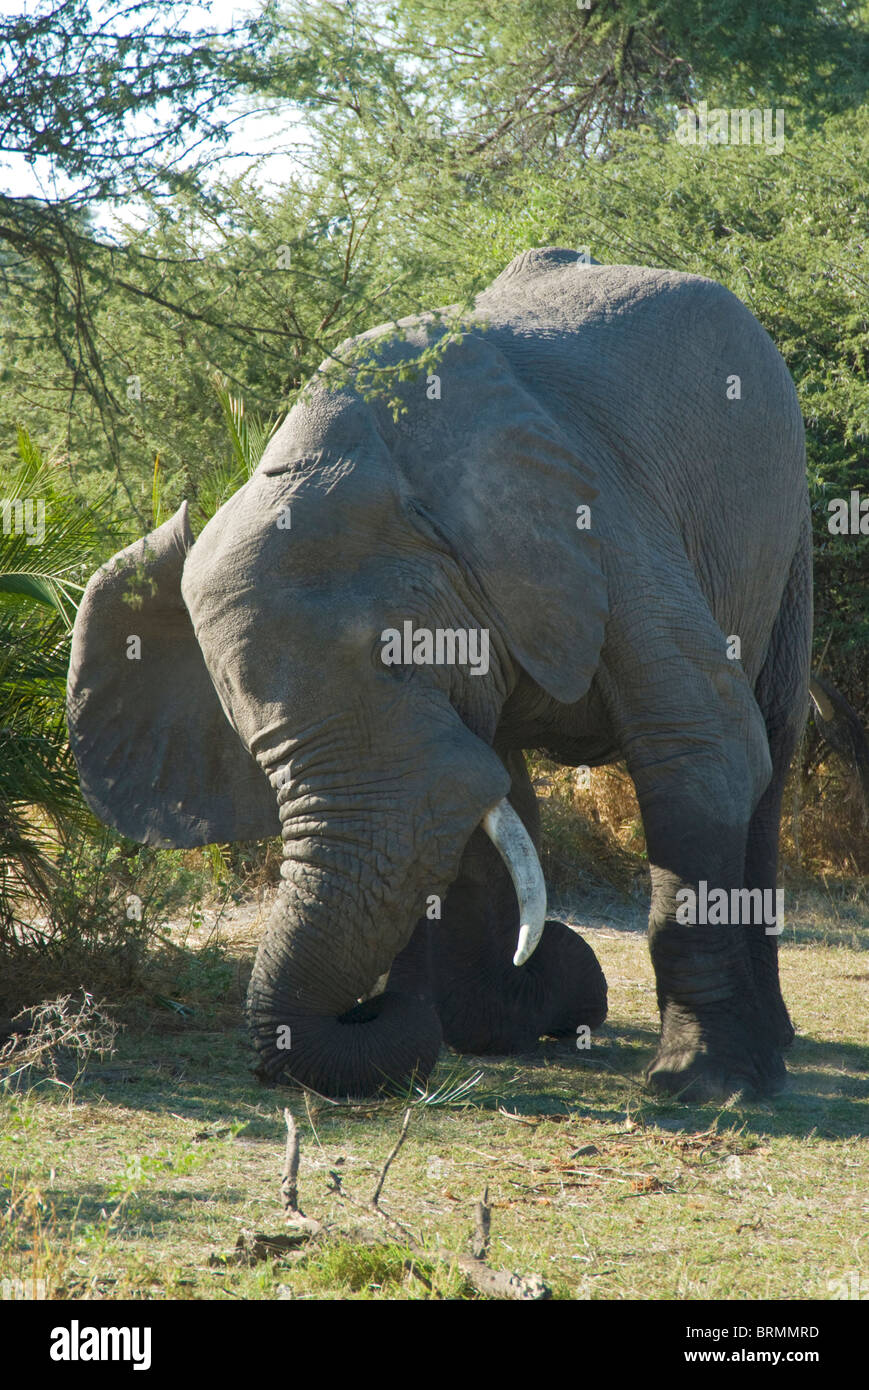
(482, 1227)
(397, 1226)
(293, 1214)
(493, 1283)
(290, 1175)
(501, 1283)
(401, 1138)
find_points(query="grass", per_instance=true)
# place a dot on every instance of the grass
(126, 1179)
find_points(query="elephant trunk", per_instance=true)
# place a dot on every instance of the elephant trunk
(333, 931)
(359, 867)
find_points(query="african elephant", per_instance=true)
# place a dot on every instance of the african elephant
(585, 531)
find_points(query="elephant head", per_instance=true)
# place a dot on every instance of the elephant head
(258, 698)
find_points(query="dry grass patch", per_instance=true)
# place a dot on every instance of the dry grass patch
(127, 1183)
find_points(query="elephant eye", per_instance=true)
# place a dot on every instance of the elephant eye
(389, 658)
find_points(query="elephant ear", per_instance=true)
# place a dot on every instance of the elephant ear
(156, 754)
(491, 471)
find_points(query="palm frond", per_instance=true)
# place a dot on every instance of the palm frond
(48, 541)
(248, 434)
(455, 1089)
(47, 535)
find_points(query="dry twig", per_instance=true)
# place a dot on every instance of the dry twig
(482, 1227)
(405, 1124)
(293, 1214)
(62, 1029)
(491, 1283)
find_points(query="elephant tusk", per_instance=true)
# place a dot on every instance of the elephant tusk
(513, 843)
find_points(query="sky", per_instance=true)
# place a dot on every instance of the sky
(265, 135)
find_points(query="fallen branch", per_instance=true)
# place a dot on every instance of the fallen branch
(492, 1283)
(290, 1175)
(482, 1227)
(253, 1247)
(293, 1214)
(501, 1283)
(405, 1125)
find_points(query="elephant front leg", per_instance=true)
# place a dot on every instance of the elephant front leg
(718, 1034)
(486, 1004)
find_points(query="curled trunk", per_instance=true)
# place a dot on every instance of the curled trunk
(358, 868)
(314, 965)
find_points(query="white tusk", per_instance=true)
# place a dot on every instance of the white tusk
(513, 843)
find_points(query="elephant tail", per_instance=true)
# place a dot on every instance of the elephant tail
(841, 727)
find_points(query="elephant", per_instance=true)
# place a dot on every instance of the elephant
(584, 531)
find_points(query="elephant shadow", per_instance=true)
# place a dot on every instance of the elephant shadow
(825, 1095)
(207, 1075)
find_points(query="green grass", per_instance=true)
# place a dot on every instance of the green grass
(127, 1184)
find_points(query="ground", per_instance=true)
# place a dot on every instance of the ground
(138, 1179)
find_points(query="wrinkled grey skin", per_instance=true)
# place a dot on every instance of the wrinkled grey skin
(261, 682)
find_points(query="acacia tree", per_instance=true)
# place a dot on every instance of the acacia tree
(437, 142)
(545, 75)
(103, 106)
(414, 117)
(110, 342)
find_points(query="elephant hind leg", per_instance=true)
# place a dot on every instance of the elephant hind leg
(781, 692)
(761, 867)
(697, 750)
(717, 1038)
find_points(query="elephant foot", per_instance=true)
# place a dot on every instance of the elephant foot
(771, 1004)
(784, 1029)
(773, 1009)
(694, 1072)
(508, 1008)
(383, 1044)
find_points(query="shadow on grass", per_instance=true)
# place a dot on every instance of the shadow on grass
(205, 1075)
(606, 1085)
(211, 1083)
(88, 1204)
